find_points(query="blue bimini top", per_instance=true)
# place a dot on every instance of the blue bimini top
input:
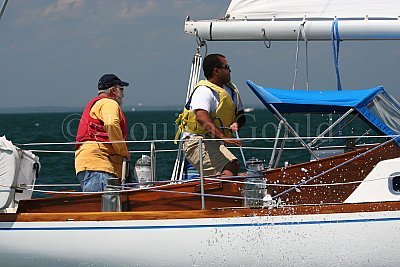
(290, 101)
(375, 105)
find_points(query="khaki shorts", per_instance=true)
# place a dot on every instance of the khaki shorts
(215, 155)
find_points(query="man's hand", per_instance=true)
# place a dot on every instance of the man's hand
(203, 117)
(234, 127)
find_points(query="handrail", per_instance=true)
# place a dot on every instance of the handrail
(154, 189)
(29, 187)
(203, 204)
(211, 139)
(233, 147)
(290, 128)
(278, 132)
(202, 178)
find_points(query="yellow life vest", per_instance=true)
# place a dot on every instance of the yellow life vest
(223, 117)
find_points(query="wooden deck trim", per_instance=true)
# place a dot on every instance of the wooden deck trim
(201, 214)
(171, 204)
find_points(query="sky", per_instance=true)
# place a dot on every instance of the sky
(52, 53)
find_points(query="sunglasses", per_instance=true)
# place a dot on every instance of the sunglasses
(225, 67)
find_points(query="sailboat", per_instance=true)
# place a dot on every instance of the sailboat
(340, 207)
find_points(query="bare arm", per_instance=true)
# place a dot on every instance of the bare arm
(203, 117)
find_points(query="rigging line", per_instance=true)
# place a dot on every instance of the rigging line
(333, 168)
(131, 185)
(27, 187)
(335, 47)
(199, 194)
(72, 152)
(47, 185)
(241, 149)
(51, 151)
(335, 34)
(303, 34)
(125, 191)
(97, 193)
(187, 193)
(3, 8)
(297, 60)
(307, 76)
(272, 158)
(213, 139)
(301, 147)
(305, 185)
(283, 143)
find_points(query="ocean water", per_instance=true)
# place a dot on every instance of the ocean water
(60, 128)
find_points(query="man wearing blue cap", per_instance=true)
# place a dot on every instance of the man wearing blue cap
(102, 121)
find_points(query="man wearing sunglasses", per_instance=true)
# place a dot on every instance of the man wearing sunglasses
(102, 121)
(214, 111)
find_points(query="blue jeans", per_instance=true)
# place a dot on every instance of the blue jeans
(93, 181)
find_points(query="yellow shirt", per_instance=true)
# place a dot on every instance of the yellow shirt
(93, 156)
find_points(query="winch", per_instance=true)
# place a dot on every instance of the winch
(255, 189)
(143, 171)
(110, 200)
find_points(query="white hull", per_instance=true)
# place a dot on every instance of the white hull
(358, 239)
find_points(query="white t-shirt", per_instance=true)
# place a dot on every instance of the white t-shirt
(207, 99)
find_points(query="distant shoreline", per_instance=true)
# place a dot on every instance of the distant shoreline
(24, 110)
(29, 110)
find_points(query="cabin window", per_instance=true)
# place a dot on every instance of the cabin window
(386, 109)
(394, 183)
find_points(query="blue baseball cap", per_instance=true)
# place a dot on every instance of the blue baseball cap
(109, 80)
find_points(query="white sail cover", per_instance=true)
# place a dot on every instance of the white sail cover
(18, 168)
(9, 166)
(268, 9)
